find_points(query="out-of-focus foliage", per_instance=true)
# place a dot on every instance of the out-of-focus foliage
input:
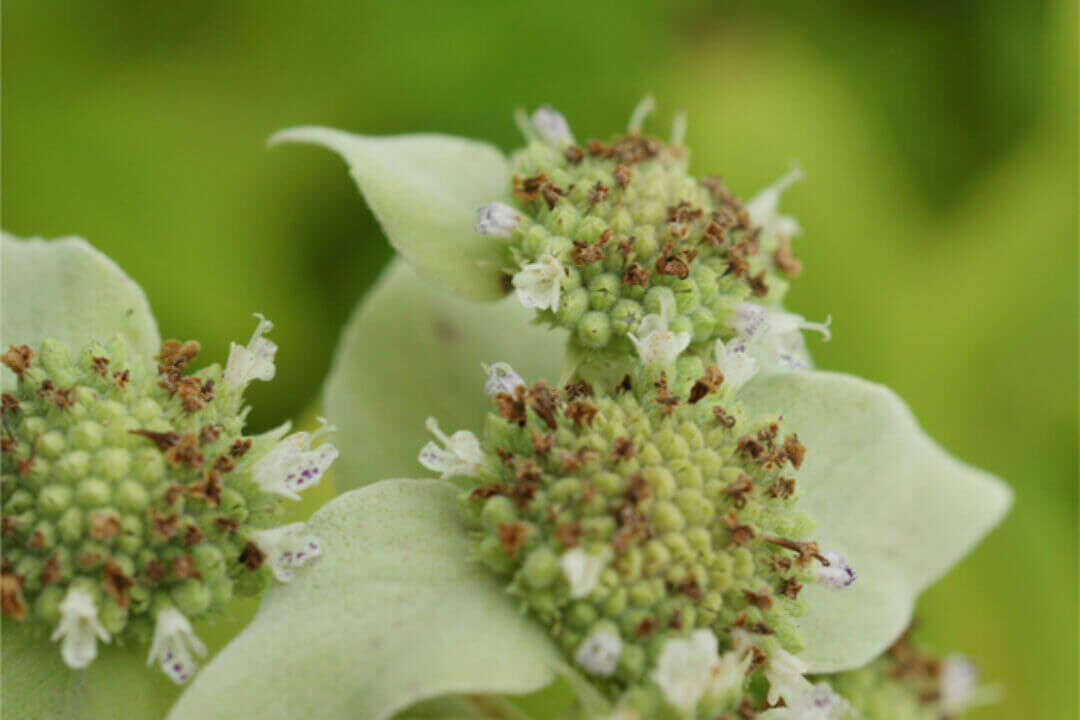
(940, 206)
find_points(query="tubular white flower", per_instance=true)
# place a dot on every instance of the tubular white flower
(175, 645)
(497, 220)
(599, 653)
(641, 112)
(764, 207)
(735, 364)
(253, 362)
(538, 284)
(804, 701)
(960, 689)
(657, 345)
(689, 668)
(293, 465)
(756, 323)
(582, 571)
(678, 128)
(551, 126)
(287, 548)
(501, 378)
(79, 629)
(460, 454)
(838, 573)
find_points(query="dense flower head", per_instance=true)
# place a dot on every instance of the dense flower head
(627, 518)
(616, 227)
(910, 682)
(133, 500)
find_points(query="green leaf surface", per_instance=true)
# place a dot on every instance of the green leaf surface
(68, 291)
(413, 351)
(425, 191)
(395, 612)
(884, 495)
(37, 685)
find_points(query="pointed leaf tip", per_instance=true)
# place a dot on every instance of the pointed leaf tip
(883, 494)
(425, 191)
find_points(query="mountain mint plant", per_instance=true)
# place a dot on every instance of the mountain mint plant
(646, 503)
(133, 500)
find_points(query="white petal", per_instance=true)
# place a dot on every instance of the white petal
(582, 571)
(175, 645)
(253, 362)
(599, 653)
(685, 669)
(552, 126)
(79, 629)
(292, 465)
(735, 364)
(460, 455)
(641, 112)
(838, 573)
(754, 323)
(538, 284)
(501, 378)
(763, 207)
(497, 220)
(286, 548)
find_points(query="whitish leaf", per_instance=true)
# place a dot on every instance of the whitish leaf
(425, 191)
(883, 494)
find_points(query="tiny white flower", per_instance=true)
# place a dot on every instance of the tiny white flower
(293, 465)
(804, 701)
(551, 126)
(501, 378)
(460, 454)
(641, 112)
(657, 345)
(735, 363)
(538, 284)
(253, 362)
(497, 220)
(175, 645)
(960, 689)
(764, 207)
(287, 548)
(688, 668)
(756, 323)
(838, 573)
(785, 674)
(79, 629)
(786, 351)
(599, 653)
(582, 571)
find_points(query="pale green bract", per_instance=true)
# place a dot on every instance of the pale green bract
(883, 494)
(454, 176)
(395, 613)
(71, 292)
(411, 351)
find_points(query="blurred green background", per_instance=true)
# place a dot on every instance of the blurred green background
(940, 209)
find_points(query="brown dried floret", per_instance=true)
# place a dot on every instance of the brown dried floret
(710, 382)
(634, 274)
(18, 358)
(512, 537)
(785, 260)
(528, 189)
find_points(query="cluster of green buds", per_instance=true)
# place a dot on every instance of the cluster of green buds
(132, 500)
(605, 233)
(648, 525)
(647, 521)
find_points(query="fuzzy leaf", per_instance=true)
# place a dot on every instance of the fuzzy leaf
(68, 291)
(413, 350)
(425, 191)
(883, 494)
(38, 686)
(395, 612)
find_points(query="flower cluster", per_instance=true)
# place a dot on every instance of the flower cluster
(646, 522)
(133, 501)
(602, 234)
